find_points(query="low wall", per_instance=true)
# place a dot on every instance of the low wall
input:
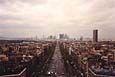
(21, 74)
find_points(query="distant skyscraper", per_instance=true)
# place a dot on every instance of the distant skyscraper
(66, 36)
(95, 35)
(61, 36)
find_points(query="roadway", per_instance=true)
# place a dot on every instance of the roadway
(56, 67)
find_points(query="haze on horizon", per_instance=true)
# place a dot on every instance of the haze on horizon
(28, 18)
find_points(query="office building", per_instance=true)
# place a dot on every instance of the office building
(95, 35)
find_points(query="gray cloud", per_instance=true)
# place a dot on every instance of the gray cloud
(9, 17)
(23, 1)
(75, 17)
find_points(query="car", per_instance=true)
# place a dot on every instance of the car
(49, 73)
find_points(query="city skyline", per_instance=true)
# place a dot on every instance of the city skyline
(76, 18)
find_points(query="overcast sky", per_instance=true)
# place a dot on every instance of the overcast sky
(28, 18)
